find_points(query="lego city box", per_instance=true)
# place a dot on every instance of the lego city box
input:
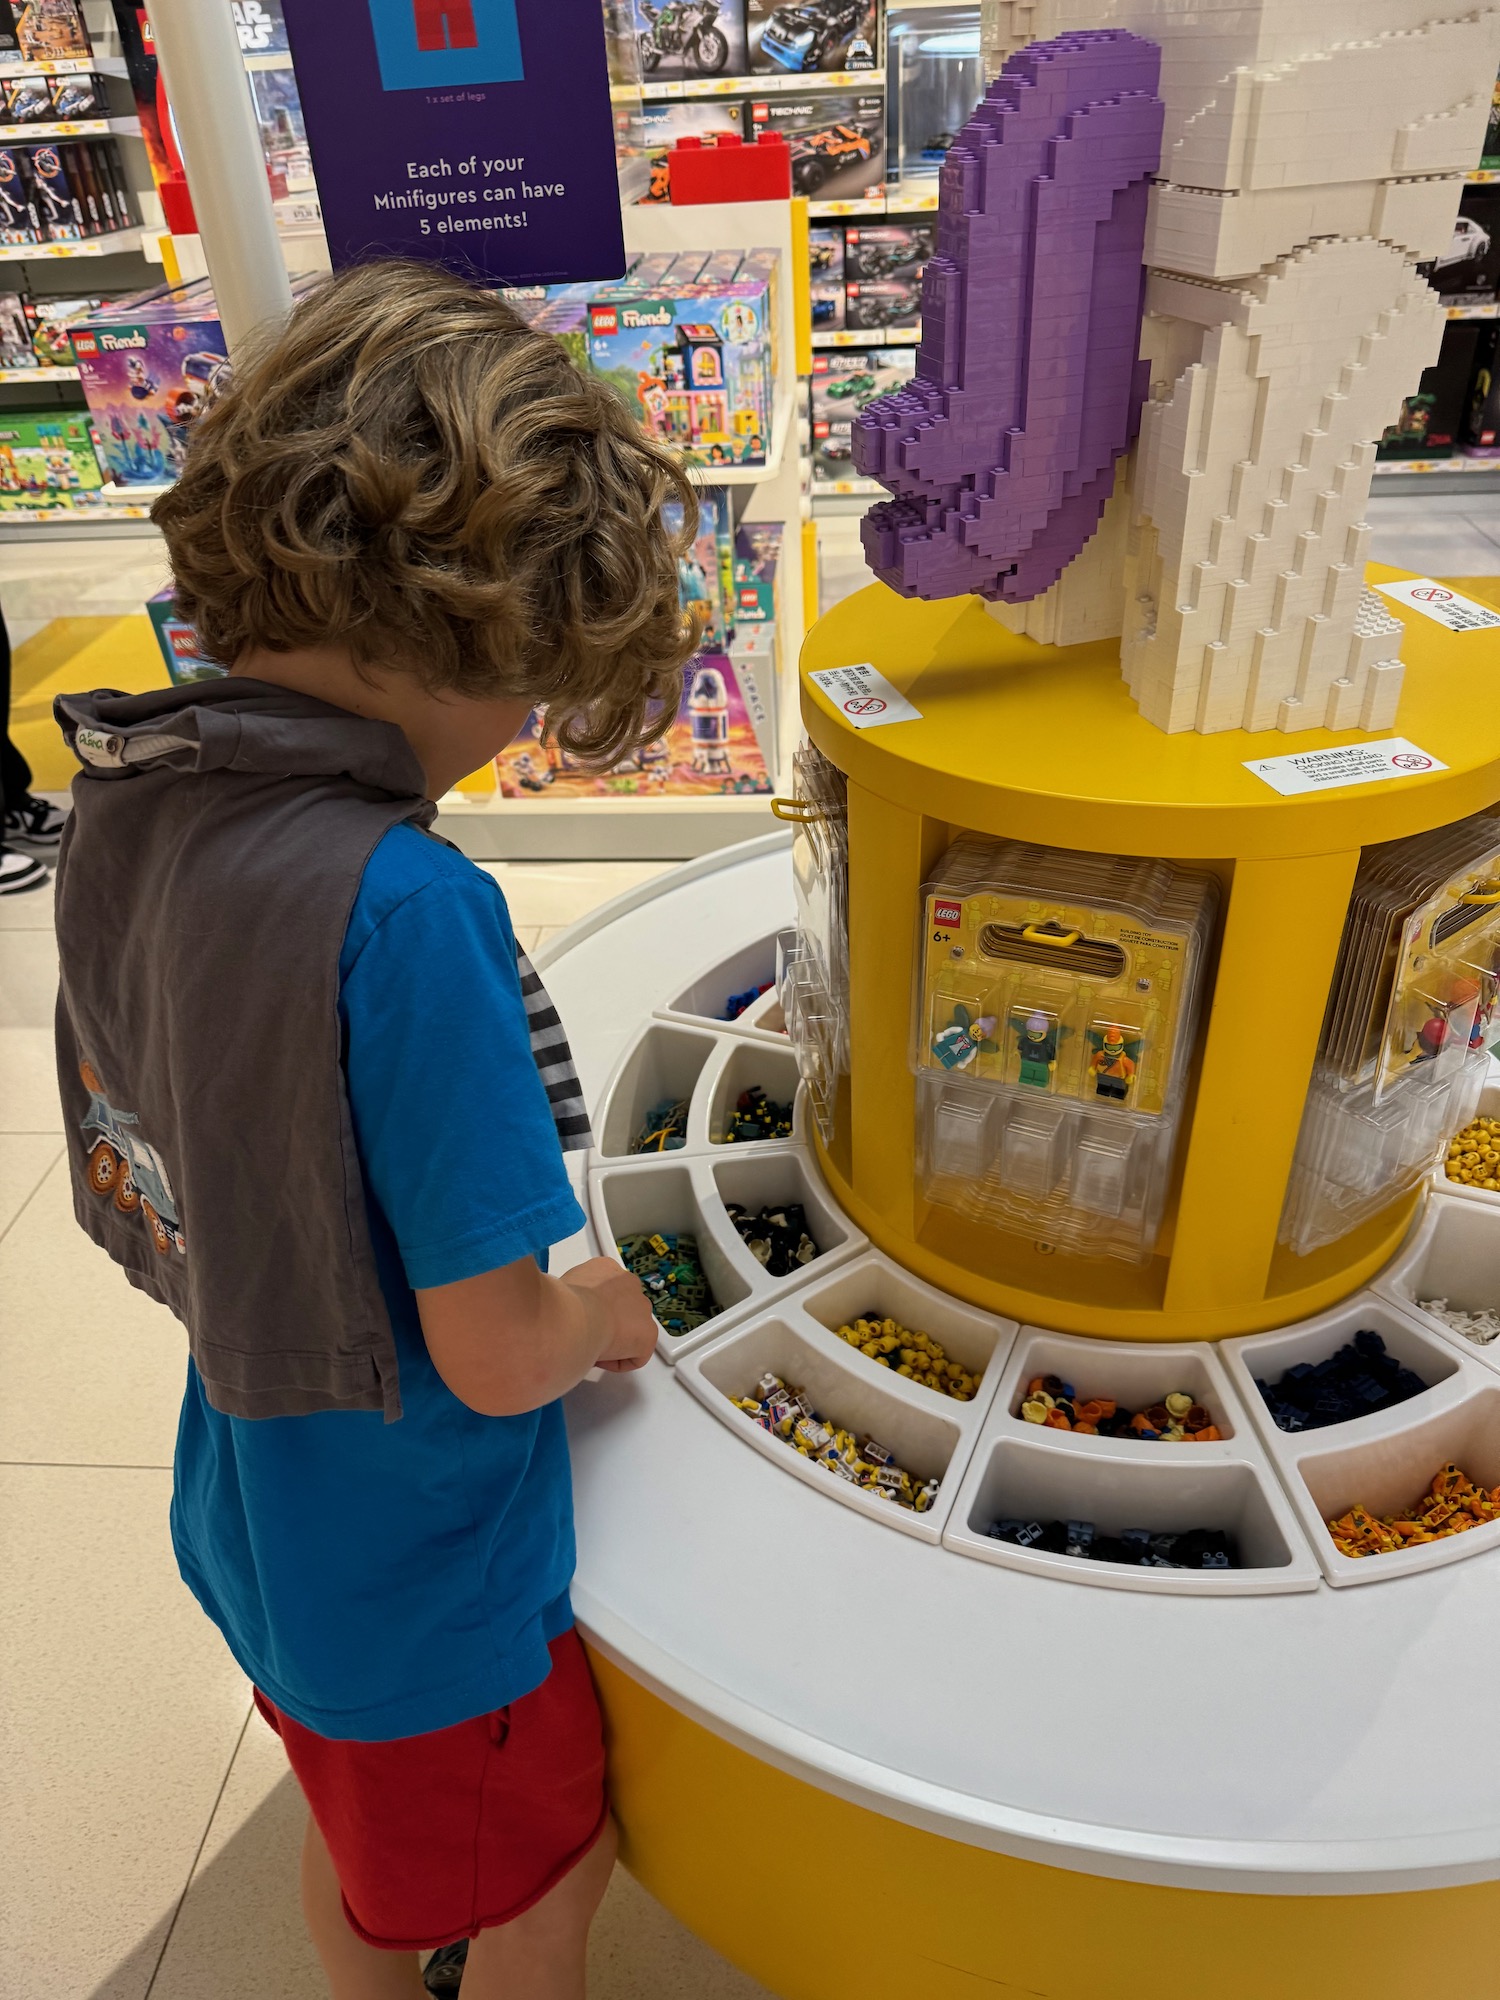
(836, 140)
(698, 369)
(811, 36)
(47, 459)
(149, 364)
(712, 749)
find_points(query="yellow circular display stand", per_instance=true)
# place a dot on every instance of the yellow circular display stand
(818, 1855)
(1029, 742)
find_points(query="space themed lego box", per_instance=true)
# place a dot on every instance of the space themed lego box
(148, 365)
(712, 749)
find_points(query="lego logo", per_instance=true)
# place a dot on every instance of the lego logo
(85, 343)
(759, 113)
(604, 319)
(951, 914)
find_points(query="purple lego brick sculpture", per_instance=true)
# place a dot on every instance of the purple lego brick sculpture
(1001, 451)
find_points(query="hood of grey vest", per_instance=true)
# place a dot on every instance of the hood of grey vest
(217, 840)
(235, 724)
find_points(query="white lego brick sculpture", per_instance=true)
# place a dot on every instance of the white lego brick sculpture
(1315, 151)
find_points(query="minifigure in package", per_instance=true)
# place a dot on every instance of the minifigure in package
(1064, 1126)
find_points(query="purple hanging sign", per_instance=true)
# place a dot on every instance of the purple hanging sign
(474, 133)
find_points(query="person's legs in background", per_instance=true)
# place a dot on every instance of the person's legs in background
(25, 822)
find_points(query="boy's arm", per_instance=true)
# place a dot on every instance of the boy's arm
(511, 1340)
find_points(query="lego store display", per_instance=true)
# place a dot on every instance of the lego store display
(148, 363)
(1058, 999)
(1033, 273)
(934, 78)
(805, 36)
(690, 38)
(844, 381)
(837, 141)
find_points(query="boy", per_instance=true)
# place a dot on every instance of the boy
(318, 1101)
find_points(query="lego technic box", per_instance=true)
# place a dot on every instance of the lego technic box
(148, 365)
(662, 125)
(843, 381)
(808, 37)
(680, 40)
(696, 367)
(712, 749)
(836, 140)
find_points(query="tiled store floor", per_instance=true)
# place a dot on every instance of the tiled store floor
(149, 1827)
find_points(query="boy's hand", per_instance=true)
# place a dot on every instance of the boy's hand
(629, 1321)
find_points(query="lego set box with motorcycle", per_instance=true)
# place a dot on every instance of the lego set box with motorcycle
(681, 39)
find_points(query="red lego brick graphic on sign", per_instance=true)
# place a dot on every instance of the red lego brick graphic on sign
(445, 24)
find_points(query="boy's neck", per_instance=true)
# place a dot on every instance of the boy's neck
(450, 734)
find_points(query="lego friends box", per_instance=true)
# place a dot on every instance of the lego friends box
(697, 369)
(711, 749)
(148, 365)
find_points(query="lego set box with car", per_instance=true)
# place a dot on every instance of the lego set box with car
(837, 141)
(805, 37)
(844, 379)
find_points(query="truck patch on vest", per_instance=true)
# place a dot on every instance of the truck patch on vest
(122, 1165)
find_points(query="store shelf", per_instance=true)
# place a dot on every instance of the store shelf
(92, 246)
(883, 336)
(13, 67)
(1482, 176)
(619, 829)
(1481, 309)
(761, 86)
(273, 59)
(846, 489)
(869, 205)
(40, 376)
(1467, 475)
(894, 201)
(73, 128)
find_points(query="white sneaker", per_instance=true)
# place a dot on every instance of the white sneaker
(19, 872)
(33, 823)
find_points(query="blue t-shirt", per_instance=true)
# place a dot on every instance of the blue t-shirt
(379, 1580)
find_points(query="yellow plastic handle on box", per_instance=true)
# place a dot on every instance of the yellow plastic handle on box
(1062, 939)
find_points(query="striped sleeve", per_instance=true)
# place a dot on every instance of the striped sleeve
(554, 1060)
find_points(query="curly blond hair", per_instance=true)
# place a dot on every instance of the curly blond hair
(407, 469)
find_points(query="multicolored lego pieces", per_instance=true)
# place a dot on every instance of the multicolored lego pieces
(1001, 453)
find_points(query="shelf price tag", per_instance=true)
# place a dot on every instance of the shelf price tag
(863, 697)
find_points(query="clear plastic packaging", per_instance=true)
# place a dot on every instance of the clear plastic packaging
(812, 961)
(1403, 1053)
(1054, 1020)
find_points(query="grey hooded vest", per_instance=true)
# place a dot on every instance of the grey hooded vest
(218, 836)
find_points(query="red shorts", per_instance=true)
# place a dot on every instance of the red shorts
(441, 1836)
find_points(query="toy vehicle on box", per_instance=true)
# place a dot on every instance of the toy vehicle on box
(149, 364)
(816, 35)
(1469, 241)
(818, 156)
(687, 29)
